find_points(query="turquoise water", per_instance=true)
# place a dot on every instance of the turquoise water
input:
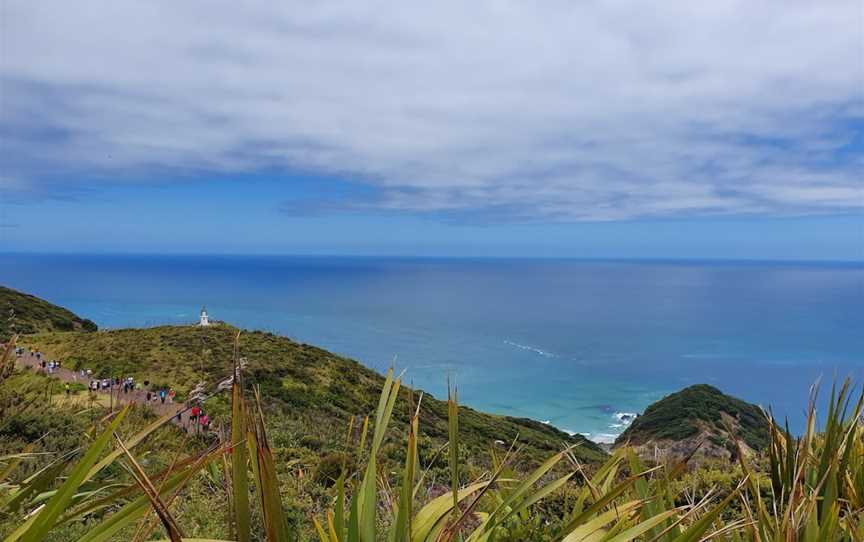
(573, 343)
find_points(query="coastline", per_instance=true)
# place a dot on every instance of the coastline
(569, 342)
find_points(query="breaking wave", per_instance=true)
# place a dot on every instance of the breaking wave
(529, 348)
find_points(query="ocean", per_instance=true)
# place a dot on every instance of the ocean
(573, 343)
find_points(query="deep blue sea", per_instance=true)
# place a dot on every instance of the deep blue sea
(572, 343)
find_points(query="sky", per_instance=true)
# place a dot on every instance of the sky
(725, 129)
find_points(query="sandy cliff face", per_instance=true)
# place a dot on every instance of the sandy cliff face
(707, 445)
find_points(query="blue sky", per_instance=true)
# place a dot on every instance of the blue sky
(261, 217)
(598, 129)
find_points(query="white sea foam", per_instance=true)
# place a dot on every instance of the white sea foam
(528, 348)
(621, 420)
(625, 417)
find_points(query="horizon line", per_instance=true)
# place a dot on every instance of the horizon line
(622, 259)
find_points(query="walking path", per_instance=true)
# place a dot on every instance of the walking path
(115, 392)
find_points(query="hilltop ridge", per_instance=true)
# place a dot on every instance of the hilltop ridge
(24, 313)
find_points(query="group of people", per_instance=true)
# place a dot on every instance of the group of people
(128, 385)
(46, 365)
(199, 420)
(106, 384)
(49, 366)
(96, 385)
(162, 395)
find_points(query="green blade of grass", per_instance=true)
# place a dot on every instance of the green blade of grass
(643, 527)
(366, 497)
(134, 510)
(697, 530)
(513, 500)
(152, 494)
(58, 503)
(604, 500)
(590, 527)
(453, 435)
(38, 482)
(130, 443)
(432, 513)
(339, 515)
(354, 521)
(239, 472)
(402, 526)
(267, 482)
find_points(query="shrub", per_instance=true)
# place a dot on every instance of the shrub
(330, 468)
(311, 441)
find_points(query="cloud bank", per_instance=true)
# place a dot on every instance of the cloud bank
(559, 110)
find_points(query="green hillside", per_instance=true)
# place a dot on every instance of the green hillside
(698, 410)
(282, 471)
(24, 313)
(316, 391)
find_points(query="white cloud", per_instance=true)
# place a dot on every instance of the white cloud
(595, 110)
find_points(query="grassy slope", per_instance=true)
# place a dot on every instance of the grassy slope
(63, 424)
(684, 414)
(316, 391)
(24, 313)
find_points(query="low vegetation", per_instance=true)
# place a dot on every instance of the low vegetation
(23, 313)
(315, 391)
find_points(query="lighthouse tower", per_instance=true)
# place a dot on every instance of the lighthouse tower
(205, 320)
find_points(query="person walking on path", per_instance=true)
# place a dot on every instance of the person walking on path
(67, 389)
(162, 395)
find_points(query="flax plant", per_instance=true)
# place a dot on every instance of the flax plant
(816, 481)
(608, 508)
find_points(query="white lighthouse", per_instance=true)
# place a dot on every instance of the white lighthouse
(205, 320)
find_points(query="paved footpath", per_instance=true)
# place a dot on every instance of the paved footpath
(29, 359)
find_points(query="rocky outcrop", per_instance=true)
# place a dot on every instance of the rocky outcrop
(699, 420)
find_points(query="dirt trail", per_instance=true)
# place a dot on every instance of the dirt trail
(31, 360)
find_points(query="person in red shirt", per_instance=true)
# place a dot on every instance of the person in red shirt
(195, 412)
